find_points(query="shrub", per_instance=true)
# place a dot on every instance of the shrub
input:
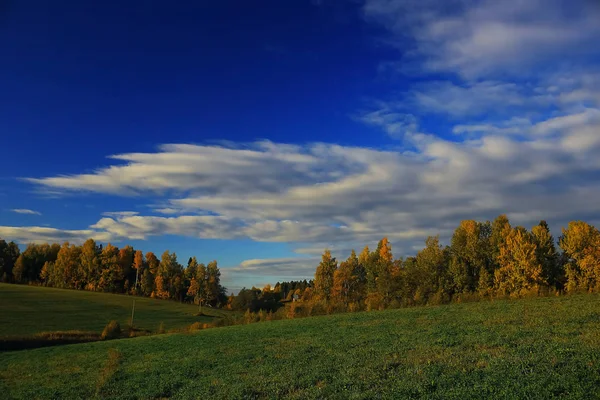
(467, 297)
(291, 311)
(374, 301)
(196, 326)
(439, 297)
(112, 330)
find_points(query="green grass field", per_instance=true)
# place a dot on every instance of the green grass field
(27, 310)
(532, 348)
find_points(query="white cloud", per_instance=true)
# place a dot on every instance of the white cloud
(563, 122)
(142, 227)
(488, 37)
(324, 194)
(38, 234)
(25, 211)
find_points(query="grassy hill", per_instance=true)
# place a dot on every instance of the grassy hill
(27, 310)
(532, 348)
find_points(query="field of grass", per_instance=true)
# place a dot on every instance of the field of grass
(532, 348)
(28, 310)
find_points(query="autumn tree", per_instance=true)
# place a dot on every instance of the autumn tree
(171, 273)
(324, 276)
(547, 255)
(19, 269)
(67, 270)
(152, 262)
(160, 288)
(90, 263)
(139, 266)
(349, 280)
(368, 260)
(215, 293)
(147, 282)
(499, 229)
(112, 275)
(126, 255)
(192, 268)
(342, 282)
(432, 265)
(192, 292)
(468, 252)
(580, 242)
(519, 269)
(387, 272)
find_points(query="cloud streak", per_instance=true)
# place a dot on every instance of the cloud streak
(38, 234)
(25, 211)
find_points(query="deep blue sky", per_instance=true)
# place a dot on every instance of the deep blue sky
(81, 81)
(87, 79)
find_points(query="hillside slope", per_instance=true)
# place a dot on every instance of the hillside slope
(27, 310)
(532, 348)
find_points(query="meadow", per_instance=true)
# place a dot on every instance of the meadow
(29, 310)
(535, 348)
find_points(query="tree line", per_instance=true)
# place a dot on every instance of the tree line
(98, 268)
(483, 259)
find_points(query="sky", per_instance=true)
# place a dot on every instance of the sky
(260, 133)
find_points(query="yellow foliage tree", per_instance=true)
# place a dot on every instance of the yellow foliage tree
(581, 245)
(342, 282)
(520, 271)
(160, 289)
(323, 283)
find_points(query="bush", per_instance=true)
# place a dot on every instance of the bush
(111, 331)
(196, 326)
(439, 297)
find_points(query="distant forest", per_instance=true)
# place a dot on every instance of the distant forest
(110, 269)
(483, 260)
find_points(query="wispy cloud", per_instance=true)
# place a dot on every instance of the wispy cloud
(25, 211)
(120, 214)
(481, 38)
(396, 123)
(39, 234)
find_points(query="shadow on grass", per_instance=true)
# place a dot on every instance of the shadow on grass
(201, 314)
(59, 338)
(46, 339)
